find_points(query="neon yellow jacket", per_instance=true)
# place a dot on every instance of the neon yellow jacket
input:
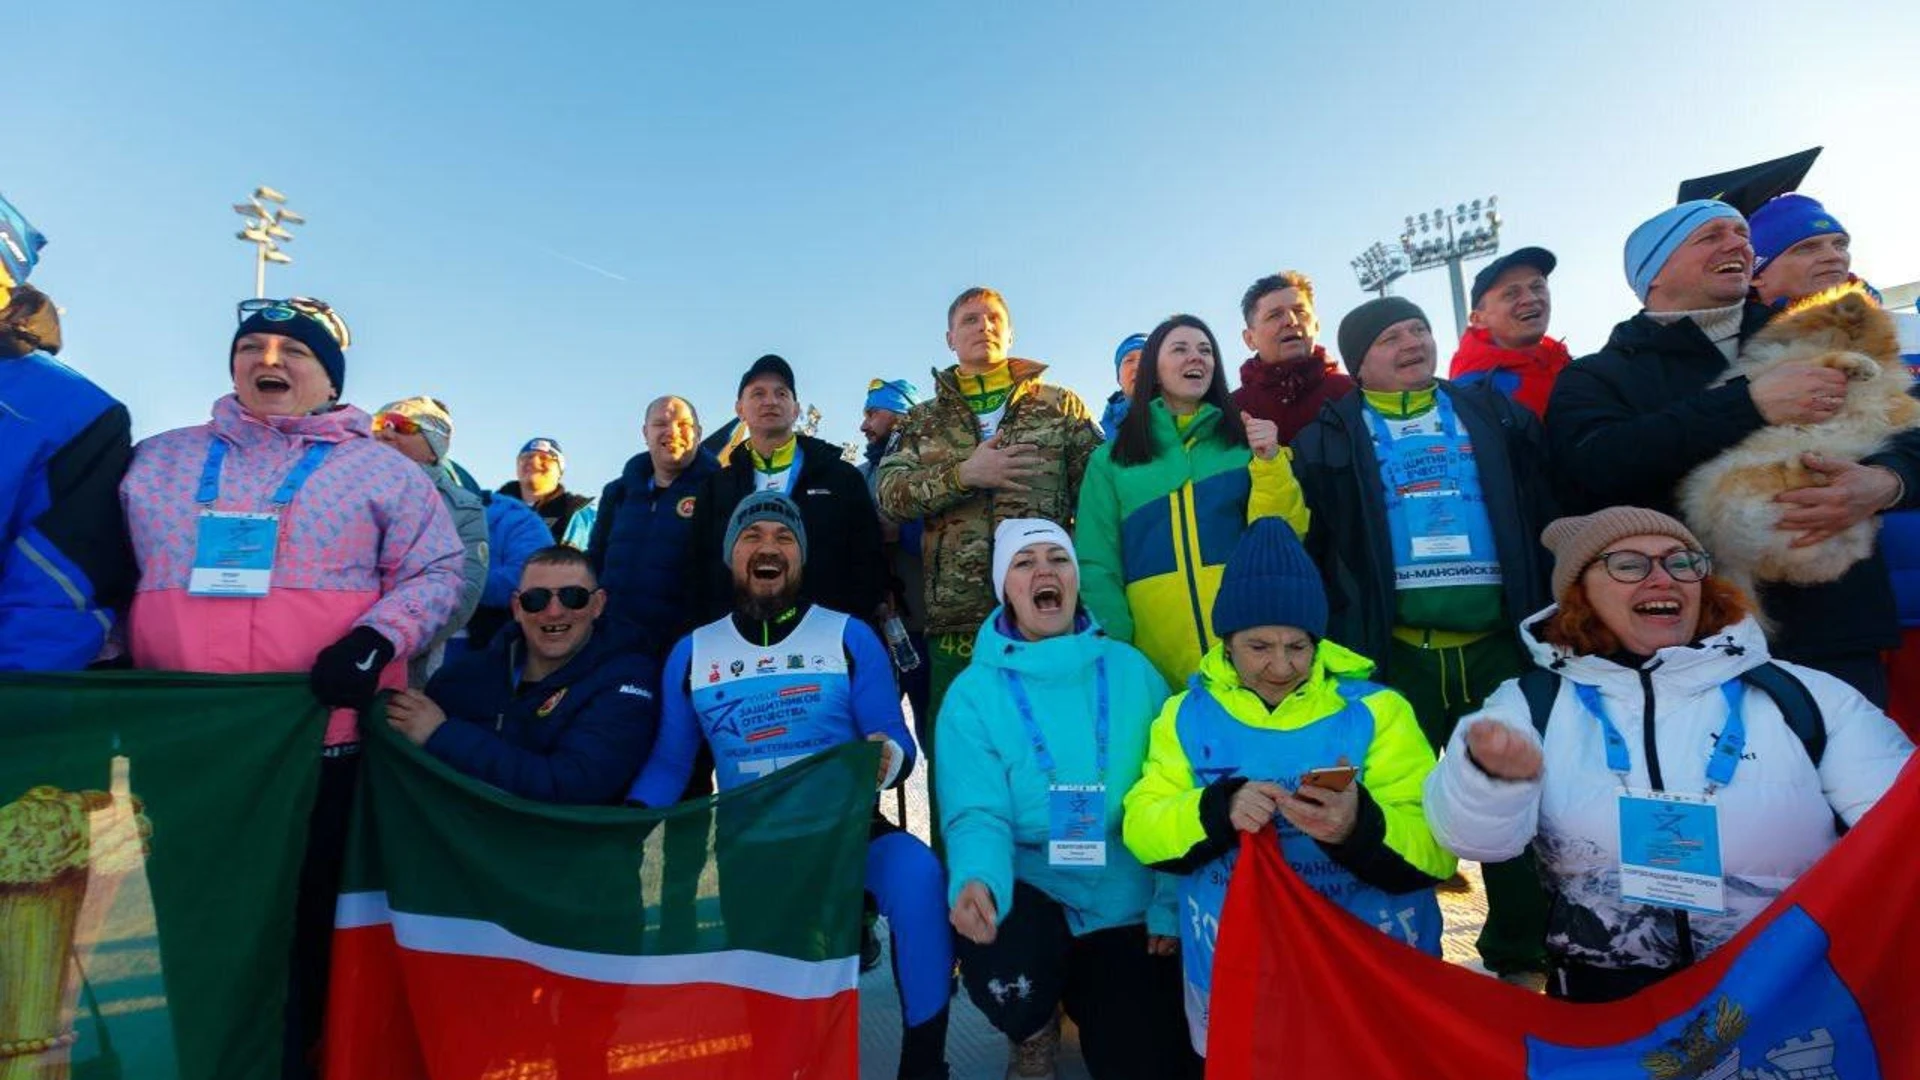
(1163, 825)
(1153, 538)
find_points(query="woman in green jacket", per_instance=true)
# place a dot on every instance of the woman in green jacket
(1162, 506)
(1281, 729)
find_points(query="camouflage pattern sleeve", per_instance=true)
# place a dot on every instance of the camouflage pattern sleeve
(921, 477)
(1083, 439)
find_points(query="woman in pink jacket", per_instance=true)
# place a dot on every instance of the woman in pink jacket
(282, 537)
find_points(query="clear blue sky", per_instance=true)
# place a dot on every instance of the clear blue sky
(820, 180)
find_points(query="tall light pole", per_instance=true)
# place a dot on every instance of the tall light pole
(1470, 231)
(1378, 267)
(266, 230)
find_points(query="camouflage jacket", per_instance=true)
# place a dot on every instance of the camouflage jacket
(919, 480)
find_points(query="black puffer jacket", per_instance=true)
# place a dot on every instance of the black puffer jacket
(1628, 423)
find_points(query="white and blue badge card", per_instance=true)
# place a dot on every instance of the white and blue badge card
(233, 554)
(1670, 851)
(1077, 825)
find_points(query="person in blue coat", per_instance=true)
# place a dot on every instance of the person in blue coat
(641, 536)
(65, 563)
(551, 711)
(1040, 739)
(514, 532)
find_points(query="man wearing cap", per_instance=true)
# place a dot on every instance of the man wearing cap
(1426, 501)
(1126, 361)
(850, 574)
(639, 543)
(421, 428)
(65, 566)
(887, 404)
(778, 679)
(1506, 343)
(1798, 249)
(996, 442)
(1629, 422)
(568, 516)
(1288, 377)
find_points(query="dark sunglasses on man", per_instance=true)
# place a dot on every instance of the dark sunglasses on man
(572, 597)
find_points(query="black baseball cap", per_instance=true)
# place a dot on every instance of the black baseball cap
(1537, 257)
(768, 365)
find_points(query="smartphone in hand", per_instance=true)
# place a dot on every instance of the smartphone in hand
(1330, 778)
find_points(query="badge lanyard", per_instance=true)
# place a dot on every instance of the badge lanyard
(1040, 752)
(217, 455)
(1448, 429)
(1726, 753)
(793, 474)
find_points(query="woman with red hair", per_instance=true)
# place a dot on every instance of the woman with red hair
(1672, 778)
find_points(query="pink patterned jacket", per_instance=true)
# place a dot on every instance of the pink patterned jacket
(366, 541)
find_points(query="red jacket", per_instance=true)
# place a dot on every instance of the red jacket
(1525, 375)
(1290, 393)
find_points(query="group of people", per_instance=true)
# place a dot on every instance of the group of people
(1388, 619)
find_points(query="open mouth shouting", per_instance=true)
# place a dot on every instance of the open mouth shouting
(1663, 610)
(1047, 598)
(1734, 266)
(767, 569)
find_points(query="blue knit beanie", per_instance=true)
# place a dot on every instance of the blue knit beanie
(1654, 242)
(1785, 221)
(1270, 581)
(895, 396)
(1135, 343)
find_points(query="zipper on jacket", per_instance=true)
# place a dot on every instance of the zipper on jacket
(1683, 926)
(1189, 555)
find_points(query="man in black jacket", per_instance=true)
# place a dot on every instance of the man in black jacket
(848, 570)
(1427, 501)
(1629, 422)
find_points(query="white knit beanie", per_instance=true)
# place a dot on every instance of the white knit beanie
(1015, 534)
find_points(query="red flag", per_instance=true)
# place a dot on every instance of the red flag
(1822, 986)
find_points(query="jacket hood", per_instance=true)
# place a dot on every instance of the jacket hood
(1477, 344)
(1067, 658)
(1317, 696)
(232, 422)
(30, 324)
(1683, 669)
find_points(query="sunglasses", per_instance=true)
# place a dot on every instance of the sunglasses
(572, 597)
(399, 422)
(285, 310)
(1630, 567)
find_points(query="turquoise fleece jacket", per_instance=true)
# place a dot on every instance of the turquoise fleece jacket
(993, 791)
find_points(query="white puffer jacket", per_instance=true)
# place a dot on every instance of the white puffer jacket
(1776, 817)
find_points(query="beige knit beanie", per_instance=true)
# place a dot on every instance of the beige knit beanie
(1577, 541)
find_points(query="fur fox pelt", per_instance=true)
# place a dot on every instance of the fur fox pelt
(1729, 501)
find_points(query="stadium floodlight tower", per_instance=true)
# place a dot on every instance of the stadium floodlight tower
(1378, 267)
(1470, 231)
(266, 229)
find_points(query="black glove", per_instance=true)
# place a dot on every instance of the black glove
(346, 674)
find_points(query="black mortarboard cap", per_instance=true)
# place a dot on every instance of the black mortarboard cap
(1747, 189)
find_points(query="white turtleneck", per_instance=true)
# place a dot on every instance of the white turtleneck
(1721, 325)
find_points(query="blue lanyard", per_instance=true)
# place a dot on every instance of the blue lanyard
(217, 455)
(1726, 753)
(1383, 438)
(1040, 751)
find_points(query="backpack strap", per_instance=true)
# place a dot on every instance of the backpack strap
(1795, 703)
(1541, 687)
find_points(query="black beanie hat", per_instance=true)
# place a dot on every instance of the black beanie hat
(768, 365)
(304, 329)
(1364, 325)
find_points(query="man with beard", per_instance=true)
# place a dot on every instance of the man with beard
(1506, 344)
(1288, 377)
(553, 711)
(538, 469)
(639, 542)
(887, 404)
(850, 574)
(778, 680)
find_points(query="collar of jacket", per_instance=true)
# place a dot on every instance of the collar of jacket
(1642, 334)
(511, 648)
(946, 381)
(1401, 404)
(1288, 380)
(1166, 431)
(1067, 658)
(772, 631)
(1685, 670)
(232, 422)
(1316, 698)
(1478, 344)
(815, 454)
(639, 470)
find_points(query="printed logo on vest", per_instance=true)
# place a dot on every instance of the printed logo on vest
(550, 704)
(685, 507)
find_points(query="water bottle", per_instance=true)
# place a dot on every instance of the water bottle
(904, 657)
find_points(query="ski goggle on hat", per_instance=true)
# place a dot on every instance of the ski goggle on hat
(296, 307)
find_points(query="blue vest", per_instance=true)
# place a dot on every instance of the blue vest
(1218, 745)
(764, 707)
(1436, 508)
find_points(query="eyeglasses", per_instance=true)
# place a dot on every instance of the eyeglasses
(572, 597)
(284, 310)
(398, 422)
(1630, 567)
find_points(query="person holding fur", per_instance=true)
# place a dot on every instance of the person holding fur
(1652, 677)
(1626, 424)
